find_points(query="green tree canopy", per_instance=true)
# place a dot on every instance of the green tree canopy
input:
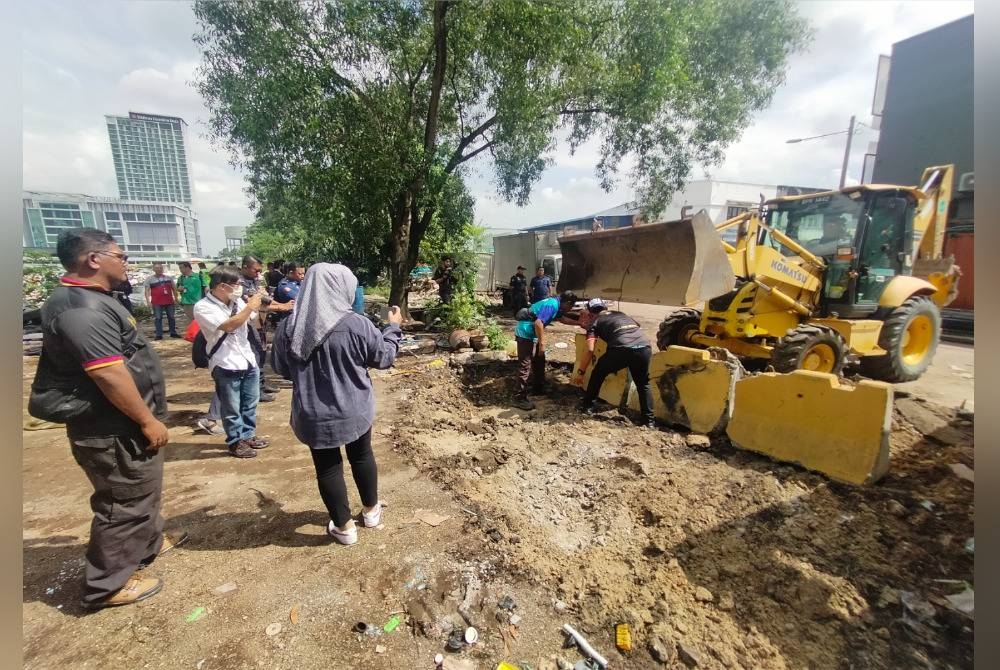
(356, 119)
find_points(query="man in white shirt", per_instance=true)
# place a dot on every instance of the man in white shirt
(222, 317)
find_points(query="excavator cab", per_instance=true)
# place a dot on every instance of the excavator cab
(863, 236)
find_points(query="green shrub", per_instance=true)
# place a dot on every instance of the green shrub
(464, 312)
(496, 335)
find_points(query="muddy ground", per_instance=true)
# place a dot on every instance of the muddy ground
(714, 556)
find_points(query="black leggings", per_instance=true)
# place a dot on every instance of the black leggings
(330, 476)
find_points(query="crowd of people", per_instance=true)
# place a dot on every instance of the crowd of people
(98, 375)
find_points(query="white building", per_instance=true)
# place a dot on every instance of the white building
(723, 200)
(151, 162)
(145, 230)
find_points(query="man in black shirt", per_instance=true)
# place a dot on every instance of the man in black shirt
(99, 375)
(519, 289)
(445, 279)
(627, 347)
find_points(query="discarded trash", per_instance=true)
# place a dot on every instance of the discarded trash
(196, 614)
(963, 471)
(436, 363)
(515, 619)
(293, 616)
(586, 664)
(585, 647)
(273, 629)
(431, 518)
(561, 345)
(471, 635)
(970, 545)
(456, 640)
(623, 638)
(504, 665)
(920, 608)
(199, 664)
(927, 505)
(418, 579)
(964, 602)
(507, 603)
(380, 648)
(559, 606)
(49, 591)
(223, 589)
(439, 659)
(391, 624)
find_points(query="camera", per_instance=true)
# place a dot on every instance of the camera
(265, 300)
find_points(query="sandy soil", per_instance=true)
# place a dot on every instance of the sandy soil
(715, 557)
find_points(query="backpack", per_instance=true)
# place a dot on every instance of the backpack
(200, 355)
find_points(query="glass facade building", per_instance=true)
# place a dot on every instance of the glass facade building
(151, 162)
(146, 230)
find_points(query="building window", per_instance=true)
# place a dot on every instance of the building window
(733, 210)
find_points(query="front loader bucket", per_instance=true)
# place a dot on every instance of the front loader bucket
(669, 263)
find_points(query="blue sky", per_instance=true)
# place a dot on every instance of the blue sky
(84, 60)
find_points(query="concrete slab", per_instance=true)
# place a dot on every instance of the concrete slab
(816, 421)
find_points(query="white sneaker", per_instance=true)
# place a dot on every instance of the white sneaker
(374, 517)
(210, 427)
(349, 536)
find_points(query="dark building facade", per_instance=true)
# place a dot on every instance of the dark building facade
(927, 120)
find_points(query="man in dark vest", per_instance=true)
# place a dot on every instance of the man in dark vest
(627, 348)
(99, 375)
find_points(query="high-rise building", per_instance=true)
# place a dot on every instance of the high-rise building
(146, 230)
(151, 161)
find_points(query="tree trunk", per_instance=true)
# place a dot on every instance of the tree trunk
(399, 247)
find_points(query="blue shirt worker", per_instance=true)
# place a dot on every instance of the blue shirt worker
(288, 288)
(541, 286)
(530, 337)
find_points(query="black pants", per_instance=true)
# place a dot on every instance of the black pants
(127, 529)
(615, 359)
(530, 368)
(260, 349)
(330, 476)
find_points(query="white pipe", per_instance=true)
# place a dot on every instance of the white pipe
(581, 641)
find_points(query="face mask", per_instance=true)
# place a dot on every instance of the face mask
(238, 291)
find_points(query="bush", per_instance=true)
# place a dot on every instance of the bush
(496, 335)
(464, 312)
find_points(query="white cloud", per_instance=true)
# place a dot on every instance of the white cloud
(79, 67)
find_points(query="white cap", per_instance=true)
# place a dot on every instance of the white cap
(596, 305)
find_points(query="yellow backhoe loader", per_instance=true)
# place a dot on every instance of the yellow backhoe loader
(811, 279)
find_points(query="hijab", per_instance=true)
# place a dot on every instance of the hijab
(325, 298)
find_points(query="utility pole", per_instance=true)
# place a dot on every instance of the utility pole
(847, 152)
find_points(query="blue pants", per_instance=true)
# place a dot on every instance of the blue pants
(158, 312)
(238, 392)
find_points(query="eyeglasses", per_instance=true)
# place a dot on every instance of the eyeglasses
(122, 257)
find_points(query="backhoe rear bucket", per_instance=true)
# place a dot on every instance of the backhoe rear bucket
(669, 263)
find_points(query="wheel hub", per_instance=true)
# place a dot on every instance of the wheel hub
(917, 339)
(819, 358)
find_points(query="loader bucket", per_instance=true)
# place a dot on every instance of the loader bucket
(669, 263)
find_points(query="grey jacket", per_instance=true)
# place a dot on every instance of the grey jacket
(333, 402)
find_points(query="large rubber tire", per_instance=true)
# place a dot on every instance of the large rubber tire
(676, 328)
(910, 334)
(810, 347)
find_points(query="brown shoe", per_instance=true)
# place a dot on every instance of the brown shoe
(257, 442)
(136, 588)
(242, 449)
(172, 542)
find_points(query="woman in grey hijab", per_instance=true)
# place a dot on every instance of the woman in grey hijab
(326, 350)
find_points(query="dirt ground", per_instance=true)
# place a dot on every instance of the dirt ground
(715, 557)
